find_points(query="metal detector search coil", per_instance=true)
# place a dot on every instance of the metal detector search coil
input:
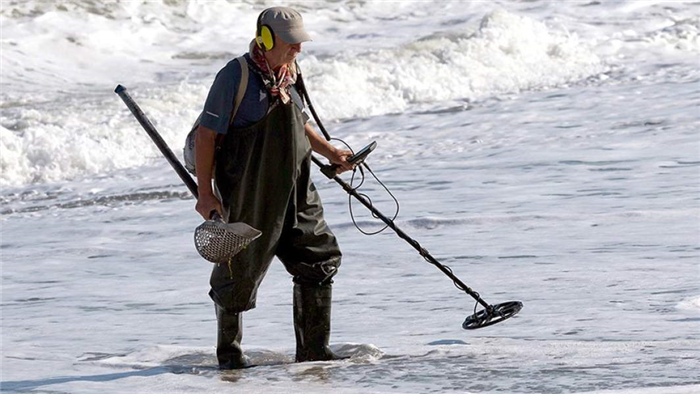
(492, 315)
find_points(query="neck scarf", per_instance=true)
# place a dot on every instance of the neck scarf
(276, 83)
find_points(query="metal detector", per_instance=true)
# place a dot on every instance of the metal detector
(491, 314)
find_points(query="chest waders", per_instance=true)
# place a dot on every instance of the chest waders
(263, 179)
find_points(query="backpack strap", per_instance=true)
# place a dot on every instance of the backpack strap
(242, 86)
(188, 150)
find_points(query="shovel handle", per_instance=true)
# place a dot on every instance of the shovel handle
(157, 139)
(214, 215)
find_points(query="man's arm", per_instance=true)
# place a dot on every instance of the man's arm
(205, 147)
(330, 152)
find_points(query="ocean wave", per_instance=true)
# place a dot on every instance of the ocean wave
(508, 53)
(79, 137)
(683, 35)
(43, 139)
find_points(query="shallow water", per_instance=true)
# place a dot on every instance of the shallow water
(574, 191)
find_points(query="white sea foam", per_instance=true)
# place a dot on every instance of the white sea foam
(50, 48)
(506, 54)
(690, 304)
(76, 138)
(71, 138)
(683, 34)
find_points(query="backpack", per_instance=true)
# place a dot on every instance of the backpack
(188, 150)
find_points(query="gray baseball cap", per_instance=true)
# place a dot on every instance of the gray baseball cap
(286, 23)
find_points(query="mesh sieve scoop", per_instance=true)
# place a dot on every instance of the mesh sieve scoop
(217, 241)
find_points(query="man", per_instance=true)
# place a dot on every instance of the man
(260, 163)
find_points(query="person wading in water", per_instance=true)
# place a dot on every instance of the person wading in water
(253, 142)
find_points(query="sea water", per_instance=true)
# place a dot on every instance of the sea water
(547, 152)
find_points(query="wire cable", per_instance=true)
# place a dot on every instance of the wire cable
(356, 189)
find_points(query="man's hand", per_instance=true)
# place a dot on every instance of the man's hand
(340, 157)
(322, 147)
(206, 204)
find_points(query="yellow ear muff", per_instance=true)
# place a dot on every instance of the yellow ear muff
(266, 37)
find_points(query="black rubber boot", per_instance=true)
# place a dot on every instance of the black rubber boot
(228, 344)
(312, 322)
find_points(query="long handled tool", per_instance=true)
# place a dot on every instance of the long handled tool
(215, 240)
(491, 314)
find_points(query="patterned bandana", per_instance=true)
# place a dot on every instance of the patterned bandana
(277, 84)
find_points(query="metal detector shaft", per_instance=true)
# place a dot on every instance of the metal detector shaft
(405, 237)
(157, 139)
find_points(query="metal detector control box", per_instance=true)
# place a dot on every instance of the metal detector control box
(357, 158)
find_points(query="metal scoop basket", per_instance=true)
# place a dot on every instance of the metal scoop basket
(217, 241)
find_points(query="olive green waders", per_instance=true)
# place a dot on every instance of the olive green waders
(263, 179)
